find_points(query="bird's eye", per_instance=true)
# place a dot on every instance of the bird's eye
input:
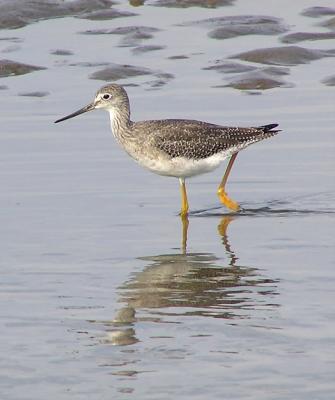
(106, 96)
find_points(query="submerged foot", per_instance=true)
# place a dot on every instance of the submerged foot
(227, 201)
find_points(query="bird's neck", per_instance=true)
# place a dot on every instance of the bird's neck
(120, 123)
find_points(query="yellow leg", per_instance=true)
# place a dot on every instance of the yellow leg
(184, 202)
(223, 196)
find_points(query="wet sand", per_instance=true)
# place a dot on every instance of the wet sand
(105, 293)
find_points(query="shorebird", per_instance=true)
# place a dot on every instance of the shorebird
(180, 148)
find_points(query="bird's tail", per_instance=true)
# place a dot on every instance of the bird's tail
(269, 128)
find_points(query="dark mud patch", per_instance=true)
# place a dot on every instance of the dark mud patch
(115, 72)
(226, 67)
(287, 56)
(131, 35)
(316, 12)
(17, 13)
(329, 23)
(12, 39)
(276, 71)
(246, 77)
(3, 87)
(178, 57)
(102, 15)
(307, 36)
(11, 49)
(249, 26)
(12, 68)
(257, 80)
(329, 81)
(60, 52)
(146, 49)
(34, 94)
(89, 64)
(161, 79)
(193, 3)
(241, 25)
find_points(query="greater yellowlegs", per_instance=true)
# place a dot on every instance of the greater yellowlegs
(175, 147)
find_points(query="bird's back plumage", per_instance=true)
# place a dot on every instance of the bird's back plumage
(199, 140)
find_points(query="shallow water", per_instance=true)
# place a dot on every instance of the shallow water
(105, 293)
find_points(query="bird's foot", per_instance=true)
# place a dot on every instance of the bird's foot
(227, 201)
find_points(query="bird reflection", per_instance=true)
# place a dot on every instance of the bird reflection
(185, 283)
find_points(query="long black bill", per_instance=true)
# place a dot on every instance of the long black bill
(87, 108)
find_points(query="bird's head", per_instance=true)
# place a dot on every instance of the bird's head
(111, 98)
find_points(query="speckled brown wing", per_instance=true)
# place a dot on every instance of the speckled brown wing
(198, 140)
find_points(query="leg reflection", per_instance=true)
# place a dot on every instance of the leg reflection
(185, 224)
(222, 229)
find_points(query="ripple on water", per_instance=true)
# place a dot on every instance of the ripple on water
(286, 55)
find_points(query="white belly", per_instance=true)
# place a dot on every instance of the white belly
(182, 167)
